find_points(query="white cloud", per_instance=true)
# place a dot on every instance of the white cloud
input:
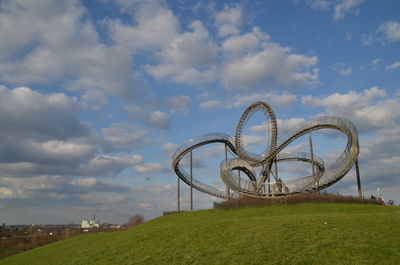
(229, 20)
(272, 66)
(106, 164)
(393, 66)
(146, 206)
(250, 141)
(390, 31)
(28, 114)
(170, 148)
(54, 186)
(188, 58)
(283, 125)
(57, 41)
(155, 26)
(366, 39)
(7, 193)
(123, 137)
(211, 104)
(344, 7)
(342, 68)
(376, 61)
(41, 135)
(370, 109)
(319, 4)
(150, 168)
(45, 152)
(179, 103)
(346, 71)
(192, 49)
(48, 42)
(274, 98)
(158, 119)
(111, 74)
(246, 43)
(340, 7)
(242, 99)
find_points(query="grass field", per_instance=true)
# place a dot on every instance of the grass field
(320, 233)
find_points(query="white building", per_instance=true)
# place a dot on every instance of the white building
(89, 224)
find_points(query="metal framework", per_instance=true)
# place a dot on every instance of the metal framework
(268, 183)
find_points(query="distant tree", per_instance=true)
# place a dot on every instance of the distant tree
(135, 220)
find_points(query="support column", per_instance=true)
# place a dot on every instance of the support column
(312, 157)
(179, 195)
(191, 181)
(358, 179)
(239, 182)
(228, 192)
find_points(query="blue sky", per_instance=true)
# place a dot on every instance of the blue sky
(95, 96)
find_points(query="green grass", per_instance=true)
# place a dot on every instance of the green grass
(294, 234)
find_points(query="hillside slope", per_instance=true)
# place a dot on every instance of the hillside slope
(292, 234)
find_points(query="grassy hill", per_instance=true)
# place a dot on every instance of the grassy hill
(294, 234)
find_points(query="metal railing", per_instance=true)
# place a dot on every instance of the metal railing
(324, 176)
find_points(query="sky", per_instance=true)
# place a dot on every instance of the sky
(96, 96)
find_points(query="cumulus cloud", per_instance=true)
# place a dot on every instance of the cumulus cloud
(342, 68)
(158, 119)
(319, 4)
(284, 125)
(229, 20)
(243, 99)
(41, 135)
(155, 26)
(340, 7)
(393, 66)
(282, 99)
(246, 43)
(170, 148)
(390, 31)
(49, 42)
(26, 113)
(370, 109)
(56, 186)
(376, 61)
(150, 168)
(366, 39)
(107, 164)
(179, 103)
(344, 7)
(188, 58)
(272, 66)
(211, 104)
(146, 205)
(49, 152)
(98, 165)
(123, 137)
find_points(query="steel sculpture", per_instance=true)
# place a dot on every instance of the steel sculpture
(268, 183)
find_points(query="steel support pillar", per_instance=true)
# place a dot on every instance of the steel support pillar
(358, 179)
(239, 182)
(312, 156)
(179, 195)
(191, 181)
(228, 192)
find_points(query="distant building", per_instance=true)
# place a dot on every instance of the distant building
(89, 224)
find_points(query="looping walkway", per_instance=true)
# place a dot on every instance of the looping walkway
(246, 162)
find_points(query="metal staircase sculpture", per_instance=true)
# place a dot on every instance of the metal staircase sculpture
(246, 162)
